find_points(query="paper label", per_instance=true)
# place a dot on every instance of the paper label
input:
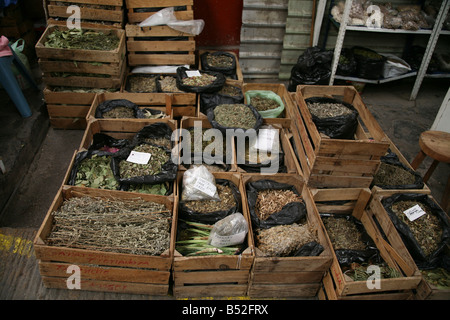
(414, 212)
(224, 241)
(205, 186)
(139, 157)
(193, 73)
(266, 138)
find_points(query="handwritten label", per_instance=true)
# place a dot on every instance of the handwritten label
(205, 186)
(193, 73)
(139, 157)
(224, 241)
(266, 138)
(414, 213)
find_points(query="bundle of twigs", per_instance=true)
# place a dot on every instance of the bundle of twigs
(271, 201)
(132, 226)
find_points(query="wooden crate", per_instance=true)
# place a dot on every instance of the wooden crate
(158, 45)
(239, 75)
(93, 13)
(218, 275)
(227, 82)
(109, 65)
(352, 202)
(104, 271)
(336, 163)
(425, 290)
(68, 110)
(139, 10)
(288, 277)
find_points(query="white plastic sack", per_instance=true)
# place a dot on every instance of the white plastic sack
(394, 66)
(162, 17)
(157, 69)
(199, 184)
(229, 231)
(194, 27)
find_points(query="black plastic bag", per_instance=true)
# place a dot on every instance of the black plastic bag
(347, 63)
(223, 129)
(104, 142)
(369, 64)
(289, 214)
(155, 130)
(340, 127)
(312, 67)
(274, 166)
(213, 87)
(109, 105)
(228, 71)
(211, 217)
(311, 249)
(418, 181)
(348, 256)
(435, 259)
(210, 100)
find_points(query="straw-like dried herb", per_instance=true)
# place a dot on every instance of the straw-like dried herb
(284, 240)
(427, 229)
(131, 226)
(168, 84)
(234, 116)
(142, 84)
(96, 172)
(227, 201)
(391, 175)
(158, 158)
(271, 201)
(82, 39)
(328, 110)
(343, 234)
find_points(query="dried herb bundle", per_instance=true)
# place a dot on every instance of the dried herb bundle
(328, 110)
(96, 172)
(82, 39)
(131, 226)
(119, 113)
(142, 84)
(219, 60)
(284, 240)
(227, 201)
(199, 81)
(263, 104)
(391, 175)
(234, 116)
(272, 201)
(427, 229)
(153, 167)
(343, 234)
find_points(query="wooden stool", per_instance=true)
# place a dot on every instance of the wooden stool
(436, 145)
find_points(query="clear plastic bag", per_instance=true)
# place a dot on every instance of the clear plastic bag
(162, 17)
(229, 231)
(199, 184)
(194, 27)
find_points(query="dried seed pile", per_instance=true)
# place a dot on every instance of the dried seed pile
(219, 60)
(343, 234)
(142, 84)
(391, 175)
(284, 240)
(131, 226)
(199, 81)
(168, 84)
(119, 113)
(328, 110)
(234, 116)
(427, 229)
(82, 39)
(96, 172)
(272, 201)
(263, 104)
(153, 167)
(227, 201)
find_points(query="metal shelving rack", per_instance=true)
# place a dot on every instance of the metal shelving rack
(420, 74)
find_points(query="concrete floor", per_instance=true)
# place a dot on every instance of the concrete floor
(37, 157)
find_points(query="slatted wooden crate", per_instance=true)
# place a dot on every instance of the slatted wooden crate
(217, 275)
(353, 202)
(288, 277)
(238, 77)
(76, 67)
(101, 270)
(336, 163)
(93, 13)
(159, 45)
(425, 290)
(139, 10)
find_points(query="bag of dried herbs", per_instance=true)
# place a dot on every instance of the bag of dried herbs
(211, 211)
(274, 203)
(392, 174)
(93, 169)
(84, 39)
(349, 239)
(268, 103)
(104, 142)
(333, 118)
(426, 237)
(159, 133)
(203, 81)
(369, 64)
(143, 83)
(234, 116)
(229, 94)
(118, 109)
(223, 62)
(145, 163)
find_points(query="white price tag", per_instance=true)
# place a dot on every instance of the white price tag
(266, 138)
(193, 73)
(414, 212)
(139, 157)
(205, 186)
